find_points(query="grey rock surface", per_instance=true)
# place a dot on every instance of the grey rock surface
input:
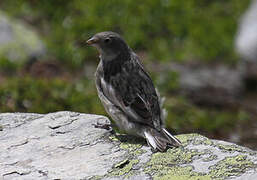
(246, 39)
(65, 145)
(219, 81)
(201, 82)
(246, 42)
(18, 42)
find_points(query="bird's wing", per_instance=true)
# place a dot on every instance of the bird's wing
(144, 102)
(133, 92)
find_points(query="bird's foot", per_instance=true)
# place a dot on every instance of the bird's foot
(105, 126)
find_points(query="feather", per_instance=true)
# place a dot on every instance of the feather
(128, 93)
(172, 140)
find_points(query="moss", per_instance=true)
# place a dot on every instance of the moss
(231, 166)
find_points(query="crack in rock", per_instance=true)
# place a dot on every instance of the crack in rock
(61, 125)
(20, 144)
(16, 172)
(44, 173)
(79, 151)
(62, 132)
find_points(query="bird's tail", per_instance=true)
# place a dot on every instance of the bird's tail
(160, 141)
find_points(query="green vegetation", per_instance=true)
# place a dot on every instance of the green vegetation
(48, 95)
(178, 30)
(159, 29)
(43, 95)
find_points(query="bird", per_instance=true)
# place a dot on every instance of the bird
(128, 94)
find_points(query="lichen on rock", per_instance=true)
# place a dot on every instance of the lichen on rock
(66, 145)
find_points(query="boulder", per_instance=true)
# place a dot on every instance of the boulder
(246, 42)
(65, 145)
(201, 82)
(18, 42)
(246, 39)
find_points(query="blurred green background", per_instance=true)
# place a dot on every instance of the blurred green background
(160, 31)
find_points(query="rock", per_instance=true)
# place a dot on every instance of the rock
(246, 39)
(204, 83)
(246, 42)
(18, 42)
(65, 145)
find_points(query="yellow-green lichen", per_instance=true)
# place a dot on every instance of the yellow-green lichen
(253, 153)
(128, 143)
(202, 140)
(113, 138)
(210, 158)
(130, 147)
(173, 156)
(196, 139)
(167, 165)
(231, 166)
(180, 173)
(230, 148)
(96, 178)
(132, 144)
(122, 163)
(163, 164)
(123, 167)
(208, 142)
(186, 138)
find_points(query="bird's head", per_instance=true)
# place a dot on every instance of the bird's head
(109, 44)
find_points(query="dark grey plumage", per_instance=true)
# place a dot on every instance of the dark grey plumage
(127, 92)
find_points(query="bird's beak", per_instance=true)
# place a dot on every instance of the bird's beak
(92, 41)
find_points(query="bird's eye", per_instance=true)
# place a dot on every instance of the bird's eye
(107, 40)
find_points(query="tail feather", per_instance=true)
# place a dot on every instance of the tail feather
(154, 142)
(172, 140)
(159, 141)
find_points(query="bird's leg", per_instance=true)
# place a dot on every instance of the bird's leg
(106, 126)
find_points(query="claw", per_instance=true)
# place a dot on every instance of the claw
(108, 127)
